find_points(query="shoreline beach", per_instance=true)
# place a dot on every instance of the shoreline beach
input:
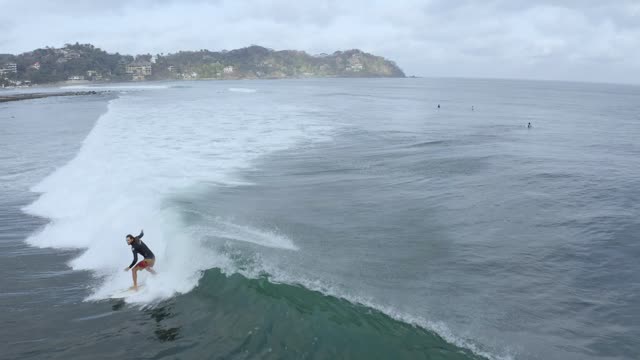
(29, 96)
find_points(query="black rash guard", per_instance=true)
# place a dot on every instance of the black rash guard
(138, 247)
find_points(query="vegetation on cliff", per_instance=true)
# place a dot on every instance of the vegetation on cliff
(260, 62)
(87, 62)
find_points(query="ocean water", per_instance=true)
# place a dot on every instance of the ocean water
(317, 219)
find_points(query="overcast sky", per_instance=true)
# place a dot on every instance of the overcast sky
(544, 39)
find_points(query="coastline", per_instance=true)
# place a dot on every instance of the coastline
(29, 96)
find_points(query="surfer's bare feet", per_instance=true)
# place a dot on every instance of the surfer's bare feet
(134, 288)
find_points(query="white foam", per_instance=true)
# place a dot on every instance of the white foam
(146, 150)
(238, 232)
(116, 87)
(242, 90)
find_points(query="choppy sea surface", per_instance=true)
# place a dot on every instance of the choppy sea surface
(324, 219)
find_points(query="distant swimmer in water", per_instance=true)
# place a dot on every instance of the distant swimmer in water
(438, 106)
(138, 247)
(529, 126)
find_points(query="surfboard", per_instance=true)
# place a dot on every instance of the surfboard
(122, 294)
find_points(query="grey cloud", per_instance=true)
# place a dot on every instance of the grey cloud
(498, 38)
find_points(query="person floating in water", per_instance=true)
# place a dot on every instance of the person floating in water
(138, 247)
(529, 126)
(438, 106)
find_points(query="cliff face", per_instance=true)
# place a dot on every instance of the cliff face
(259, 62)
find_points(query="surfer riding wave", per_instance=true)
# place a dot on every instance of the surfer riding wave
(139, 247)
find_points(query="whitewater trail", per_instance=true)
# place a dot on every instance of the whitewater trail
(142, 152)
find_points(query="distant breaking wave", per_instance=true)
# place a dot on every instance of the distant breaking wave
(242, 90)
(117, 87)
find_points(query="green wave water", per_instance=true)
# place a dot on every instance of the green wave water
(235, 317)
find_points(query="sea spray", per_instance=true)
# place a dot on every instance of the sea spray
(141, 153)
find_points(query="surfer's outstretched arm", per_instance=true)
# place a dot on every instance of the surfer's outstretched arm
(135, 259)
(141, 235)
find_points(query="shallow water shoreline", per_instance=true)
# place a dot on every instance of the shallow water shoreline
(29, 96)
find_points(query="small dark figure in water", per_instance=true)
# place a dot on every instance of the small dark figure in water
(529, 125)
(472, 108)
(438, 106)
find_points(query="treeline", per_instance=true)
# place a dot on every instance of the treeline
(85, 61)
(52, 65)
(259, 62)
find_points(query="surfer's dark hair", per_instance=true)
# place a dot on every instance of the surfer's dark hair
(129, 236)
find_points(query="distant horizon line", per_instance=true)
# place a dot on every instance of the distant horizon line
(454, 77)
(407, 78)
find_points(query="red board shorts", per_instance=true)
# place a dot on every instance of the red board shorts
(143, 264)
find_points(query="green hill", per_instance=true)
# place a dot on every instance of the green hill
(87, 62)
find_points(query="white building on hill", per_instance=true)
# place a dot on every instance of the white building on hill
(9, 68)
(139, 69)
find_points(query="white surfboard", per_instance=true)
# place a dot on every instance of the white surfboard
(123, 294)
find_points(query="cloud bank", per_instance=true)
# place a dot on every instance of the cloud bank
(562, 40)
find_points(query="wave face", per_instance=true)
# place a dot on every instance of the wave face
(259, 318)
(146, 150)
